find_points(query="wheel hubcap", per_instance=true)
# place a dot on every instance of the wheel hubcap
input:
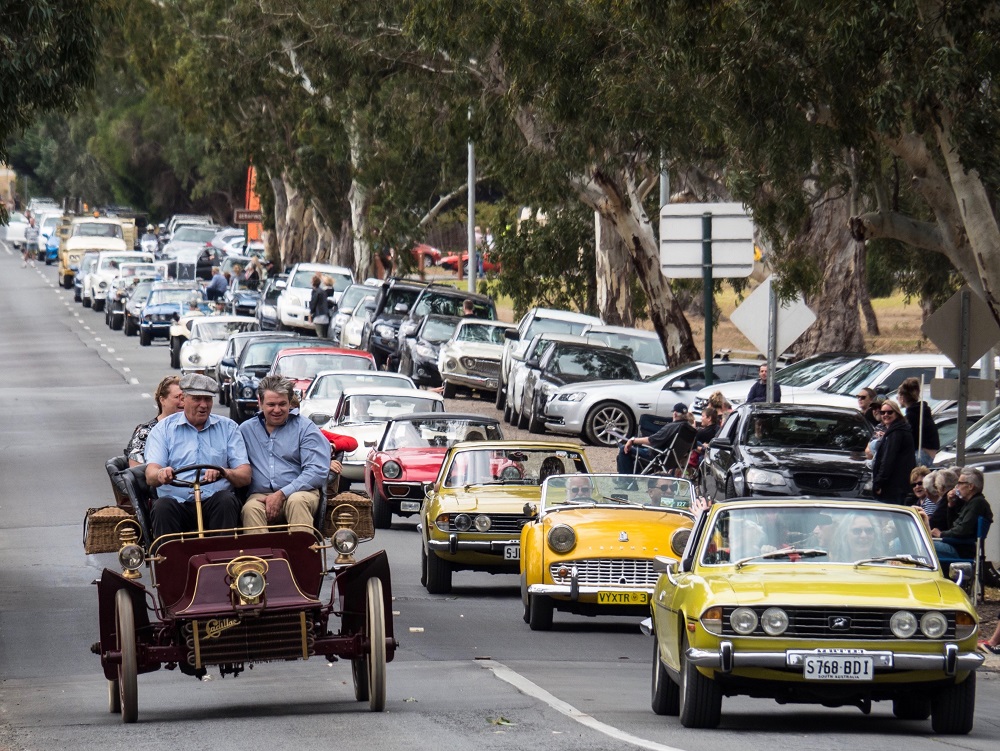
(609, 424)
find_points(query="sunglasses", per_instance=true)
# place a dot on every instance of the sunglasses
(863, 396)
(664, 487)
(887, 412)
(917, 485)
(861, 531)
(579, 490)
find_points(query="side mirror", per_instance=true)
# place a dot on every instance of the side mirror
(662, 564)
(721, 442)
(370, 305)
(369, 444)
(401, 308)
(530, 510)
(679, 385)
(428, 487)
(532, 363)
(281, 284)
(959, 572)
(511, 334)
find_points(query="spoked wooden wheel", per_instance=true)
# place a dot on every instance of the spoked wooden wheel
(375, 631)
(128, 689)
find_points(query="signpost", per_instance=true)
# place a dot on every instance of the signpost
(707, 240)
(247, 216)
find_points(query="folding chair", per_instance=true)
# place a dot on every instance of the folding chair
(670, 460)
(974, 587)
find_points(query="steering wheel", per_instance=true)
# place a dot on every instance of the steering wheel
(197, 478)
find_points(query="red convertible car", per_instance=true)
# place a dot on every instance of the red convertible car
(301, 365)
(410, 454)
(451, 263)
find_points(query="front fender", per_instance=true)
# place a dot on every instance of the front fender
(533, 553)
(351, 584)
(107, 588)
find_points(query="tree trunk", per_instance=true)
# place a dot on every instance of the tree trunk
(871, 320)
(838, 322)
(359, 199)
(614, 274)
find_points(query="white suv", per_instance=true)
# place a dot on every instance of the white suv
(536, 321)
(293, 303)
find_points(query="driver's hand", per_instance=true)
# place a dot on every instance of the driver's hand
(210, 476)
(165, 475)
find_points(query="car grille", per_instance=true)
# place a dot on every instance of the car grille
(404, 490)
(500, 524)
(261, 639)
(830, 623)
(480, 366)
(821, 481)
(608, 572)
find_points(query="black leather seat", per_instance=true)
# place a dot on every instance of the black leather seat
(115, 466)
(141, 497)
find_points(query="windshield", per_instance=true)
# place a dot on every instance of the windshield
(555, 326)
(861, 375)
(305, 366)
(437, 330)
(811, 370)
(443, 304)
(984, 433)
(844, 534)
(836, 432)
(332, 386)
(261, 354)
(352, 296)
(194, 234)
(374, 408)
(94, 229)
(437, 432)
(480, 332)
(616, 490)
(519, 466)
(139, 293)
(180, 296)
(593, 365)
(218, 331)
(113, 262)
(642, 349)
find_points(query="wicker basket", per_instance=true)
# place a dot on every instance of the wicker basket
(365, 528)
(99, 529)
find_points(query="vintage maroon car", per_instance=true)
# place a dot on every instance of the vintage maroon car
(231, 600)
(409, 455)
(300, 364)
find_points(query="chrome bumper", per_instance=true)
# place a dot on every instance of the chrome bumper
(573, 591)
(470, 381)
(726, 659)
(454, 545)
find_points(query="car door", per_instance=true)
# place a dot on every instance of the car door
(719, 457)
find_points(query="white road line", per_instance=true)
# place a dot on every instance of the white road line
(126, 370)
(134, 381)
(526, 686)
(111, 350)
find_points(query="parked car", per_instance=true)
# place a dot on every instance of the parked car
(983, 437)
(134, 304)
(471, 357)
(353, 331)
(240, 300)
(440, 300)
(194, 262)
(603, 411)
(519, 373)
(594, 555)
(300, 365)
(451, 262)
(363, 412)
(166, 302)
(190, 238)
(532, 323)
(88, 233)
(13, 232)
(786, 450)
(472, 517)
(293, 302)
(320, 402)
(419, 350)
(225, 237)
(253, 364)
(48, 224)
(642, 346)
(129, 275)
(430, 254)
(812, 601)
(267, 308)
(381, 329)
(226, 368)
(564, 363)
(83, 267)
(97, 283)
(206, 342)
(345, 307)
(408, 455)
(807, 374)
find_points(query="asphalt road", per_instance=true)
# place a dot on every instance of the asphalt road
(469, 673)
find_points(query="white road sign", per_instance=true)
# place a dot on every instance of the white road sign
(681, 240)
(751, 318)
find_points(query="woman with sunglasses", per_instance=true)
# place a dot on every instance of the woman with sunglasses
(895, 458)
(858, 537)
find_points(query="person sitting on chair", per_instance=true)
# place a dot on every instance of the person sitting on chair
(290, 460)
(972, 505)
(676, 434)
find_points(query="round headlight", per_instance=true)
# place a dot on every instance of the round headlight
(131, 557)
(774, 621)
(463, 522)
(250, 584)
(451, 364)
(247, 392)
(933, 625)
(345, 541)
(194, 357)
(391, 470)
(743, 621)
(903, 624)
(679, 540)
(482, 523)
(562, 538)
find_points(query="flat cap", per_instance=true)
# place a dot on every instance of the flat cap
(197, 384)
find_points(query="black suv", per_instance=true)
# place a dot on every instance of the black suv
(394, 299)
(440, 300)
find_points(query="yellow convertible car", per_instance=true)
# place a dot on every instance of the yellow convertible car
(472, 515)
(589, 549)
(839, 603)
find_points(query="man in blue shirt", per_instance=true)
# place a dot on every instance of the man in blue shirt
(758, 392)
(217, 287)
(290, 460)
(196, 436)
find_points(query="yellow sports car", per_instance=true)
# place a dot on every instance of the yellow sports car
(839, 603)
(590, 547)
(472, 516)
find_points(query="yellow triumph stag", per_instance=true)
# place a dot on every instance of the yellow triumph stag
(472, 516)
(839, 603)
(590, 547)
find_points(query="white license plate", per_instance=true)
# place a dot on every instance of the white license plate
(491, 383)
(409, 505)
(838, 668)
(512, 552)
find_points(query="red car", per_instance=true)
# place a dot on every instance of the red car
(431, 254)
(301, 364)
(451, 263)
(410, 454)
